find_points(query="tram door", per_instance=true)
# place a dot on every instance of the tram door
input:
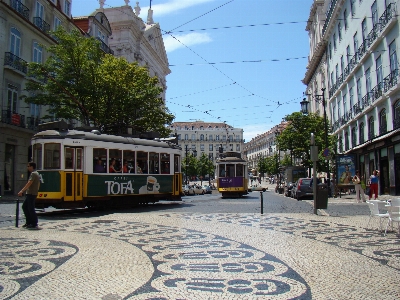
(73, 160)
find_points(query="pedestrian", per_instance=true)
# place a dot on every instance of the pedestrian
(373, 187)
(357, 186)
(31, 188)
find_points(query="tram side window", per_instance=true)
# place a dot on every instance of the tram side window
(165, 165)
(99, 160)
(37, 156)
(221, 171)
(239, 170)
(230, 170)
(176, 163)
(142, 162)
(154, 163)
(114, 164)
(52, 156)
(129, 162)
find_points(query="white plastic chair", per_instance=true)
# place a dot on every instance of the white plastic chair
(374, 208)
(394, 216)
(395, 202)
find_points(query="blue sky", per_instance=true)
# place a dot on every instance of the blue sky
(233, 63)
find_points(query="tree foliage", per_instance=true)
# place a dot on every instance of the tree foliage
(296, 137)
(205, 167)
(80, 82)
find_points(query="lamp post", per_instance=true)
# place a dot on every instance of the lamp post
(304, 110)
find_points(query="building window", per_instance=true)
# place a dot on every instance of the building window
(330, 50)
(379, 74)
(37, 53)
(383, 122)
(364, 29)
(374, 12)
(345, 15)
(344, 104)
(396, 115)
(361, 133)
(346, 141)
(368, 80)
(337, 72)
(186, 137)
(57, 23)
(224, 138)
(15, 41)
(355, 42)
(351, 94)
(352, 7)
(12, 98)
(348, 54)
(359, 95)
(339, 27)
(201, 137)
(201, 147)
(334, 41)
(353, 137)
(342, 64)
(210, 147)
(237, 147)
(217, 137)
(371, 128)
(67, 7)
(39, 10)
(193, 137)
(210, 137)
(393, 56)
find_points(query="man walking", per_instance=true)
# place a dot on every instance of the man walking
(31, 188)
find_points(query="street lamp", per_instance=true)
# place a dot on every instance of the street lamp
(304, 110)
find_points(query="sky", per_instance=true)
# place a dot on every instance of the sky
(238, 61)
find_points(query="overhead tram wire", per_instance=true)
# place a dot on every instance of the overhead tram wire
(243, 61)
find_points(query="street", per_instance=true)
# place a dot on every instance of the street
(204, 247)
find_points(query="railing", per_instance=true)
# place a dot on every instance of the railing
(12, 118)
(390, 80)
(396, 123)
(388, 14)
(20, 8)
(365, 100)
(104, 47)
(357, 108)
(376, 92)
(41, 24)
(382, 129)
(15, 62)
(329, 15)
(32, 123)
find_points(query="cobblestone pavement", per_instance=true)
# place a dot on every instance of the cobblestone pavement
(161, 254)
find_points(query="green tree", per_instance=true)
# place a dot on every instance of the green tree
(80, 82)
(272, 164)
(205, 167)
(191, 166)
(296, 137)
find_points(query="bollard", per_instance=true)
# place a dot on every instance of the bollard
(262, 203)
(17, 213)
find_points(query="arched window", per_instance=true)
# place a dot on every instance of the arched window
(382, 122)
(396, 115)
(346, 141)
(361, 133)
(353, 137)
(371, 128)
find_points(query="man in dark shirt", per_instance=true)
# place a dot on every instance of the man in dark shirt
(32, 189)
(98, 168)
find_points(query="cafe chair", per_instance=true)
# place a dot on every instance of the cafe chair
(374, 212)
(395, 202)
(394, 216)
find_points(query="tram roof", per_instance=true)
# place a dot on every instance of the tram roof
(96, 136)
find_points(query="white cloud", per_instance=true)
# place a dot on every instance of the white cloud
(173, 6)
(189, 39)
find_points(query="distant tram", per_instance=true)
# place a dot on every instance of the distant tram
(232, 175)
(90, 169)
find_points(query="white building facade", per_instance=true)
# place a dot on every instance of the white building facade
(207, 137)
(363, 91)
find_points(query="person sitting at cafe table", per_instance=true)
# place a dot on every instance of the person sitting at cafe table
(112, 167)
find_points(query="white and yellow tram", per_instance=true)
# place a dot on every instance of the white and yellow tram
(89, 169)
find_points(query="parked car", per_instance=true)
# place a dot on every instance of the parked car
(302, 188)
(198, 190)
(288, 189)
(188, 190)
(207, 189)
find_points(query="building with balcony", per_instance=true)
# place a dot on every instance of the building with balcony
(207, 137)
(362, 38)
(24, 27)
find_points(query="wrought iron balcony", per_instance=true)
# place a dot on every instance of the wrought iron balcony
(357, 108)
(41, 24)
(372, 35)
(329, 15)
(396, 123)
(383, 129)
(12, 118)
(20, 8)
(104, 47)
(365, 100)
(32, 123)
(390, 80)
(376, 92)
(362, 49)
(387, 15)
(15, 62)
